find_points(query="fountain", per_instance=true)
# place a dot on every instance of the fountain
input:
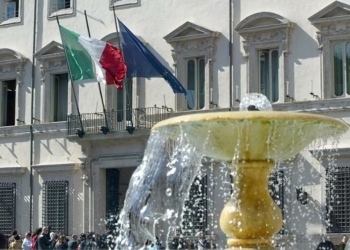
(250, 142)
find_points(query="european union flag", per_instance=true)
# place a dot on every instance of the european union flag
(140, 61)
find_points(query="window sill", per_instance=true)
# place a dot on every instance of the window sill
(124, 4)
(14, 20)
(64, 12)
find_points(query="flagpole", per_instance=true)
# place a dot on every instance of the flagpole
(79, 132)
(131, 128)
(104, 129)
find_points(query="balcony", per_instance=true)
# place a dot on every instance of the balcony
(116, 121)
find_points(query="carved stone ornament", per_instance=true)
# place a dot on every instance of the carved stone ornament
(51, 58)
(333, 24)
(264, 28)
(192, 41)
(12, 65)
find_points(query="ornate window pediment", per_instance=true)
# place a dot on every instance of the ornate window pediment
(335, 12)
(12, 65)
(262, 21)
(333, 37)
(194, 45)
(53, 64)
(266, 37)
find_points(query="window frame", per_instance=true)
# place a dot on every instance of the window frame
(13, 69)
(197, 90)
(261, 31)
(4, 19)
(331, 24)
(52, 61)
(198, 42)
(54, 113)
(271, 86)
(46, 208)
(343, 42)
(123, 3)
(58, 172)
(53, 11)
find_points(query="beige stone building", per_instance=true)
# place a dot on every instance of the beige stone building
(295, 52)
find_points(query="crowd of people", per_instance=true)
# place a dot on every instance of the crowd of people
(43, 239)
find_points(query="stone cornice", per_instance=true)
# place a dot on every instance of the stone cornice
(248, 25)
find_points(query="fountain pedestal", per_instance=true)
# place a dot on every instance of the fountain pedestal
(250, 218)
(256, 140)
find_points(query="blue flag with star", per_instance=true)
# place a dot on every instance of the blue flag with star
(140, 61)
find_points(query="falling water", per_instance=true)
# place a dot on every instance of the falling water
(174, 156)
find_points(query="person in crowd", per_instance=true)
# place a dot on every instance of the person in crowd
(43, 242)
(27, 242)
(16, 244)
(342, 244)
(53, 239)
(35, 236)
(3, 241)
(12, 237)
(82, 245)
(61, 243)
(201, 243)
(325, 244)
(72, 243)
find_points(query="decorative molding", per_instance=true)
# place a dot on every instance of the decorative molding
(12, 65)
(189, 41)
(336, 12)
(265, 30)
(64, 168)
(15, 171)
(333, 24)
(52, 61)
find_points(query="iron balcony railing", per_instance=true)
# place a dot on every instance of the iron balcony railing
(116, 120)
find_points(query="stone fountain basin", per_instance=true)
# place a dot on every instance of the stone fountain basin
(255, 135)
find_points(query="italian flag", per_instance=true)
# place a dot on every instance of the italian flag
(90, 58)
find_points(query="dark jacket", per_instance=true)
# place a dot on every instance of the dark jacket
(61, 246)
(72, 244)
(43, 242)
(342, 246)
(325, 245)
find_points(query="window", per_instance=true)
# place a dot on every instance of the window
(63, 4)
(194, 216)
(341, 69)
(337, 198)
(268, 73)
(12, 9)
(124, 99)
(54, 82)
(7, 207)
(333, 39)
(55, 206)
(265, 47)
(10, 12)
(8, 103)
(122, 3)
(61, 8)
(194, 51)
(195, 83)
(59, 97)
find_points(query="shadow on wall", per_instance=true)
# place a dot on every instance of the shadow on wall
(302, 46)
(306, 219)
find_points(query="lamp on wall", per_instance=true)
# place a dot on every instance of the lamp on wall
(302, 195)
